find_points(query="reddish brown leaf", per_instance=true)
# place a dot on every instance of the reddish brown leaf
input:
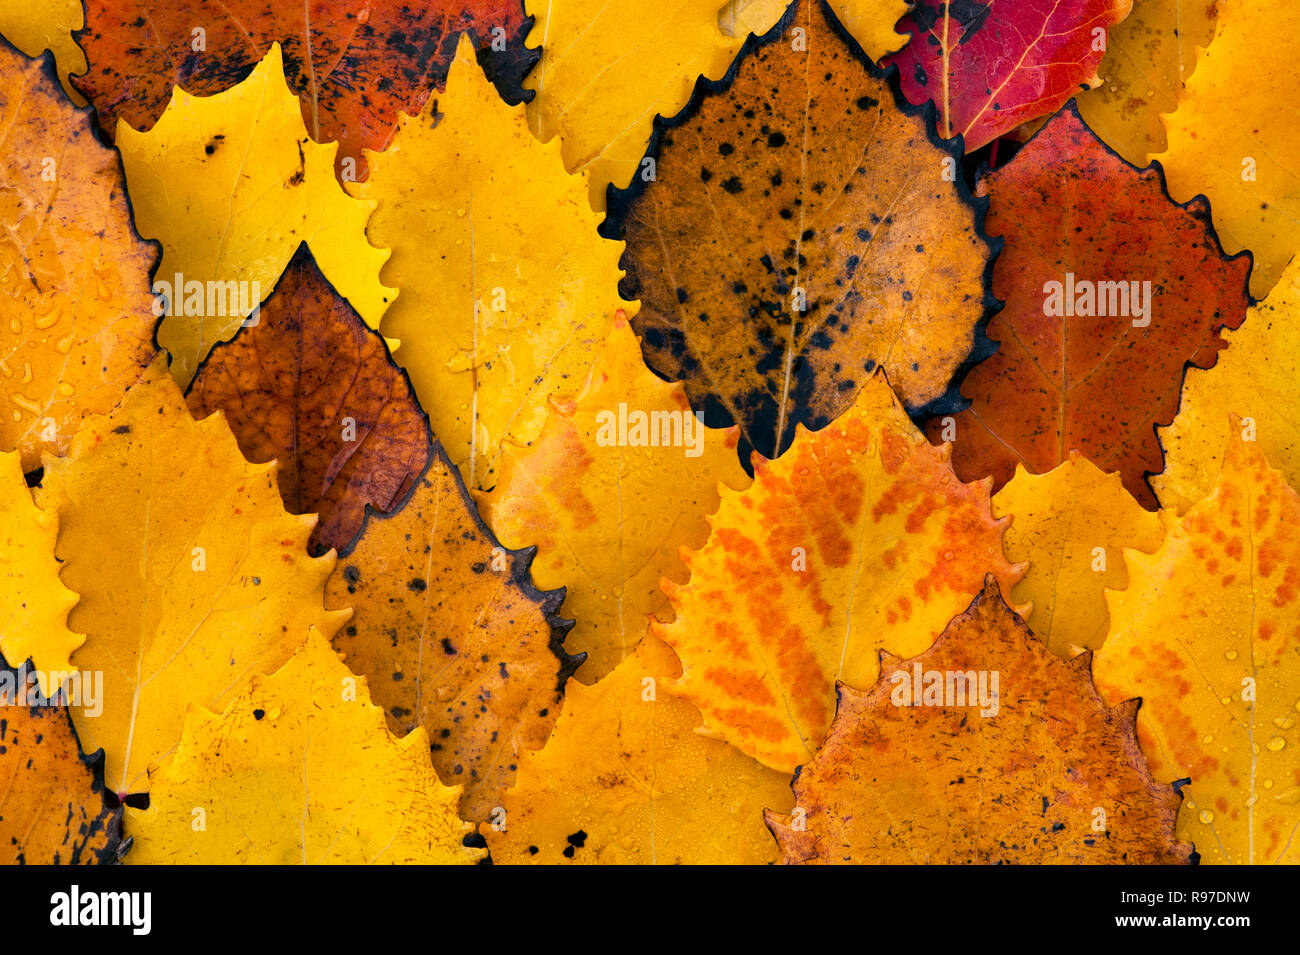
(989, 67)
(353, 63)
(1068, 206)
(311, 386)
(986, 748)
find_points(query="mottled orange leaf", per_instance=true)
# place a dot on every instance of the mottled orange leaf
(353, 63)
(626, 780)
(310, 386)
(801, 232)
(54, 809)
(1208, 634)
(76, 313)
(859, 538)
(618, 482)
(1081, 366)
(453, 636)
(989, 67)
(939, 764)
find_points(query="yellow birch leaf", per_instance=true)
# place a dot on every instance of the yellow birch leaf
(608, 516)
(1255, 377)
(506, 285)
(1070, 525)
(1230, 140)
(34, 603)
(859, 538)
(626, 779)
(1208, 635)
(35, 27)
(190, 574)
(1149, 56)
(299, 768)
(230, 185)
(604, 73)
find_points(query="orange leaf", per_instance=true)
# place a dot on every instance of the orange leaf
(53, 806)
(803, 229)
(859, 537)
(453, 636)
(1034, 770)
(75, 302)
(310, 386)
(1083, 365)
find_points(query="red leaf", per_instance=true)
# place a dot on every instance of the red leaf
(1074, 213)
(311, 386)
(989, 66)
(353, 63)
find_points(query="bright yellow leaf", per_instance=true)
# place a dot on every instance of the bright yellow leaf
(1231, 140)
(1071, 525)
(34, 603)
(1255, 377)
(871, 22)
(230, 185)
(506, 285)
(1149, 56)
(609, 517)
(626, 779)
(299, 768)
(191, 576)
(1208, 635)
(34, 27)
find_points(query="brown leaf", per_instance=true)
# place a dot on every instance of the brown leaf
(1036, 770)
(312, 387)
(804, 227)
(453, 636)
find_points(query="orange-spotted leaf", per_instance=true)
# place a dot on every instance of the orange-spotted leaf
(1110, 290)
(985, 749)
(76, 313)
(626, 780)
(310, 386)
(619, 481)
(989, 67)
(54, 809)
(352, 63)
(1208, 635)
(801, 232)
(453, 636)
(859, 538)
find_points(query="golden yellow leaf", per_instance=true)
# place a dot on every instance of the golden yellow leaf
(626, 779)
(230, 185)
(1070, 526)
(34, 27)
(299, 768)
(1149, 56)
(506, 285)
(608, 517)
(76, 316)
(190, 574)
(1208, 635)
(859, 538)
(34, 603)
(1255, 377)
(1229, 139)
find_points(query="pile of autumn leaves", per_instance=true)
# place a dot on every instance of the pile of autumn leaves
(359, 597)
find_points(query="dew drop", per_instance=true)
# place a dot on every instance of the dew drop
(1231, 654)
(1206, 816)
(1277, 744)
